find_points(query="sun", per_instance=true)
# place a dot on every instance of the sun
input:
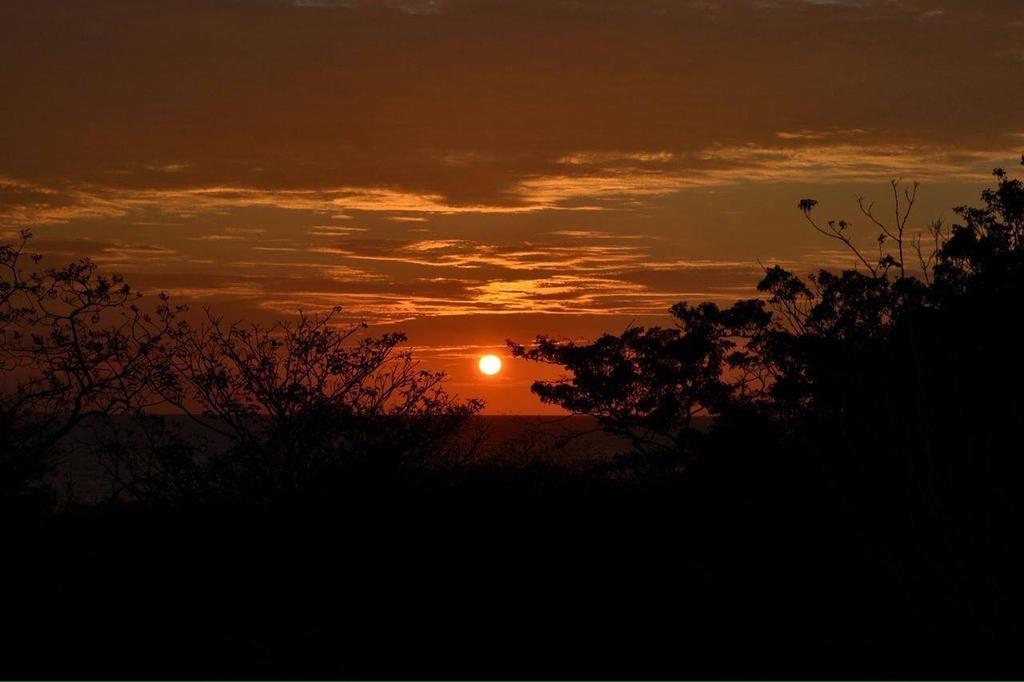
(490, 364)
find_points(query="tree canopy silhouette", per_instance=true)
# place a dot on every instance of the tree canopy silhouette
(284, 403)
(648, 385)
(879, 344)
(296, 402)
(74, 346)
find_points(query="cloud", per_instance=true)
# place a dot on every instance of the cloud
(805, 156)
(107, 253)
(413, 7)
(809, 160)
(599, 158)
(375, 110)
(568, 273)
(819, 134)
(411, 159)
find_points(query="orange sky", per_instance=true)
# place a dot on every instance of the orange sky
(470, 171)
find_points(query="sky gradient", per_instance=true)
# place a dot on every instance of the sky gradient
(475, 170)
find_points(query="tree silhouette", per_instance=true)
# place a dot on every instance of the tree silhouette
(811, 344)
(280, 405)
(879, 439)
(74, 346)
(296, 401)
(648, 385)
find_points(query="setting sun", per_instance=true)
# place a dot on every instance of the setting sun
(490, 364)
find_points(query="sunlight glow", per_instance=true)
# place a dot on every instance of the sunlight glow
(490, 364)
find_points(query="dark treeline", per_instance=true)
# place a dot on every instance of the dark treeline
(853, 509)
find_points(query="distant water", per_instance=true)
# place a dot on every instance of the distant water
(501, 439)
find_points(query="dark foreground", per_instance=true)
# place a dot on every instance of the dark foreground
(513, 571)
(853, 510)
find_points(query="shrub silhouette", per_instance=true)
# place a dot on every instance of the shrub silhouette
(279, 407)
(295, 403)
(817, 344)
(74, 346)
(648, 385)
